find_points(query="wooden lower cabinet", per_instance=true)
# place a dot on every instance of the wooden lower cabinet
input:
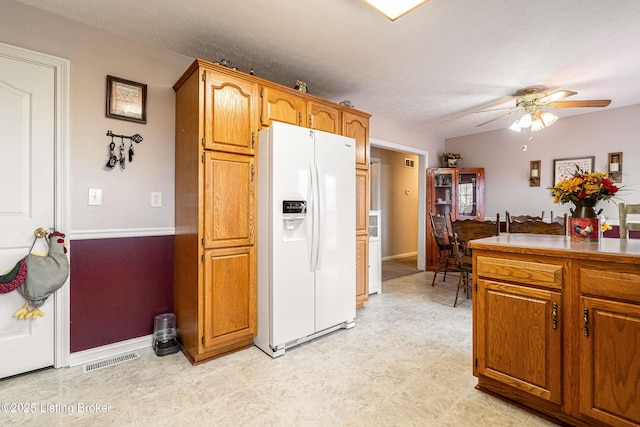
(609, 343)
(362, 270)
(520, 338)
(229, 305)
(557, 326)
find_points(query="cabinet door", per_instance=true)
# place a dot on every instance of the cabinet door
(282, 107)
(362, 203)
(375, 267)
(324, 117)
(362, 270)
(441, 193)
(229, 200)
(519, 338)
(230, 113)
(609, 362)
(229, 296)
(357, 126)
(469, 198)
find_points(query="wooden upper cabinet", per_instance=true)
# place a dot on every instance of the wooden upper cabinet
(283, 107)
(230, 113)
(324, 117)
(229, 200)
(357, 126)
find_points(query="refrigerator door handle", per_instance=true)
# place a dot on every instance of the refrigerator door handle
(318, 218)
(311, 219)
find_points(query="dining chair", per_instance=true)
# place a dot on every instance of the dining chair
(625, 209)
(520, 218)
(463, 232)
(445, 256)
(540, 227)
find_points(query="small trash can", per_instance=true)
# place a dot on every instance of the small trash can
(165, 340)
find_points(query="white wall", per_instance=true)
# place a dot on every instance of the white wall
(507, 165)
(93, 55)
(386, 130)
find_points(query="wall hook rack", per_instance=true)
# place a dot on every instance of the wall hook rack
(113, 159)
(137, 138)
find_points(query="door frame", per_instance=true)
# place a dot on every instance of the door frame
(60, 67)
(423, 161)
(374, 182)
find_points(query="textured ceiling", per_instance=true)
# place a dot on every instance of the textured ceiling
(431, 69)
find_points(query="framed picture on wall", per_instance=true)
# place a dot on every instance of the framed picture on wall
(126, 100)
(565, 168)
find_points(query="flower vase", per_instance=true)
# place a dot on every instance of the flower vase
(584, 224)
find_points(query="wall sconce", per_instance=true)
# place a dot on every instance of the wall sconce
(534, 173)
(615, 167)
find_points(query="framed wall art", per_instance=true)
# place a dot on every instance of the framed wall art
(126, 100)
(565, 168)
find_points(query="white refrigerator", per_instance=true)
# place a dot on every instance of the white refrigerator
(306, 236)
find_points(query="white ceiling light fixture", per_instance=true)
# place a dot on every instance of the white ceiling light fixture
(394, 9)
(536, 120)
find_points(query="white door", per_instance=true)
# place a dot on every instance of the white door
(336, 271)
(27, 196)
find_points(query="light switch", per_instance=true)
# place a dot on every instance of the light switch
(95, 197)
(156, 199)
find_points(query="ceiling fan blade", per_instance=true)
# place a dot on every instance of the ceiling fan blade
(552, 97)
(496, 109)
(496, 118)
(579, 104)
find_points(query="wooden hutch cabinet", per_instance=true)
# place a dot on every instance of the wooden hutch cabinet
(455, 191)
(218, 114)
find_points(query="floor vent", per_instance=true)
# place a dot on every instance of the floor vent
(105, 363)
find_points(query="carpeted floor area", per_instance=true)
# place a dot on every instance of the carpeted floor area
(399, 267)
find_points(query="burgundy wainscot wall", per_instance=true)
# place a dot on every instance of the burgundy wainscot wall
(117, 287)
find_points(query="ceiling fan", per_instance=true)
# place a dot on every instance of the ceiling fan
(532, 101)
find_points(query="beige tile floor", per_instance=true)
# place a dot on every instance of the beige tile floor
(407, 362)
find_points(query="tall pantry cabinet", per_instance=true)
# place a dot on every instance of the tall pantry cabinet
(219, 112)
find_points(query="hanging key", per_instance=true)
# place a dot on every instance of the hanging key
(131, 153)
(122, 158)
(113, 160)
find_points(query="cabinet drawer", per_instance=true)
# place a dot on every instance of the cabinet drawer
(610, 284)
(532, 273)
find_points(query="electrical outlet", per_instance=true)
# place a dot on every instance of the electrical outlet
(95, 197)
(156, 199)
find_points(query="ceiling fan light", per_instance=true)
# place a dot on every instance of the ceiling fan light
(394, 9)
(547, 118)
(537, 125)
(526, 121)
(515, 126)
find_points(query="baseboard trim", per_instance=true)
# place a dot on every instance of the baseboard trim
(110, 350)
(391, 257)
